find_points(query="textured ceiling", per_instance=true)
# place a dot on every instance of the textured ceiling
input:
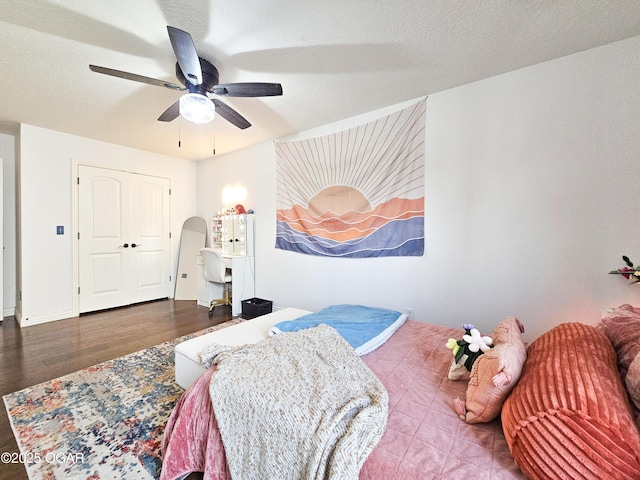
(334, 58)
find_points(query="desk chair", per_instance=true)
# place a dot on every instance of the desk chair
(216, 272)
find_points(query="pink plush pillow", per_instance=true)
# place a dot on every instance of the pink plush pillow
(622, 327)
(494, 374)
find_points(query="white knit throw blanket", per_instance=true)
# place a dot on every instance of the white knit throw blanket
(297, 406)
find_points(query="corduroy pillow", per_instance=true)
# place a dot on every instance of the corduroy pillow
(494, 374)
(569, 416)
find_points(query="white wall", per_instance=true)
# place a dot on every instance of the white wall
(7, 153)
(46, 200)
(531, 196)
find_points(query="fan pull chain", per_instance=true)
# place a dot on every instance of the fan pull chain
(214, 143)
(179, 134)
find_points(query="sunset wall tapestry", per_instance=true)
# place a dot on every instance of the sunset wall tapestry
(358, 193)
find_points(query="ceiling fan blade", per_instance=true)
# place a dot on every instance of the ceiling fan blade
(229, 114)
(186, 54)
(170, 113)
(248, 89)
(135, 78)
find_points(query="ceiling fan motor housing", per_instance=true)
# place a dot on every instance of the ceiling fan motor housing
(210, 78)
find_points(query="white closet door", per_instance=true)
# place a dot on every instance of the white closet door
(103, 243)
(124, 238)
(149, 236)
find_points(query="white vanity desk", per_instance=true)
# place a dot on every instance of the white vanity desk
(233, 236)
(242, 282)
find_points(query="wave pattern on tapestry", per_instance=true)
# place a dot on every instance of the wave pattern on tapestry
(356, 193)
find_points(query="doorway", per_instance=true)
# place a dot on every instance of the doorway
(123, 238)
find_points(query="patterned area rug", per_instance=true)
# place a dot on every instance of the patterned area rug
(105, 422)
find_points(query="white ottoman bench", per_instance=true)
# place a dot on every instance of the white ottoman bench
(188, 368)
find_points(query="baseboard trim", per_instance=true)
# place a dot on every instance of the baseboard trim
(28, 322)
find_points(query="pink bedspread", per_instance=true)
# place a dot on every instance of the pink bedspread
(424, 438)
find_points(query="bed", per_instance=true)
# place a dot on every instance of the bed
(424, 436)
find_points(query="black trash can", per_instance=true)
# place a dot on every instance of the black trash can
(255, 307)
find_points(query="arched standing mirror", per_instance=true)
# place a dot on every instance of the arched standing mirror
(192, 239)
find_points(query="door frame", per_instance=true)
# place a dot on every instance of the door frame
(75, 228)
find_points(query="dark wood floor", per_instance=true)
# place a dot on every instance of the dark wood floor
(35, 354)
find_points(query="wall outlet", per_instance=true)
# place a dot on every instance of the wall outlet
(410, 313)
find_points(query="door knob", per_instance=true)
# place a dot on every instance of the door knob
(126, 245)
(133, 245)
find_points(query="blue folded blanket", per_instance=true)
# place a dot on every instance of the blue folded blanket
(364, 328)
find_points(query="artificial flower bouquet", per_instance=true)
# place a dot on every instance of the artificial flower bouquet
(629, 272)
(467, 350)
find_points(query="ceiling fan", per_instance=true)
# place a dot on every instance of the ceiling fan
(199, 77)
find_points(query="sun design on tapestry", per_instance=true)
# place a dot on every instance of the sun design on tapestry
(356, 193)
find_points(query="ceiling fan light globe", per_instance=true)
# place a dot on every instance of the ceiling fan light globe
(197, 108)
